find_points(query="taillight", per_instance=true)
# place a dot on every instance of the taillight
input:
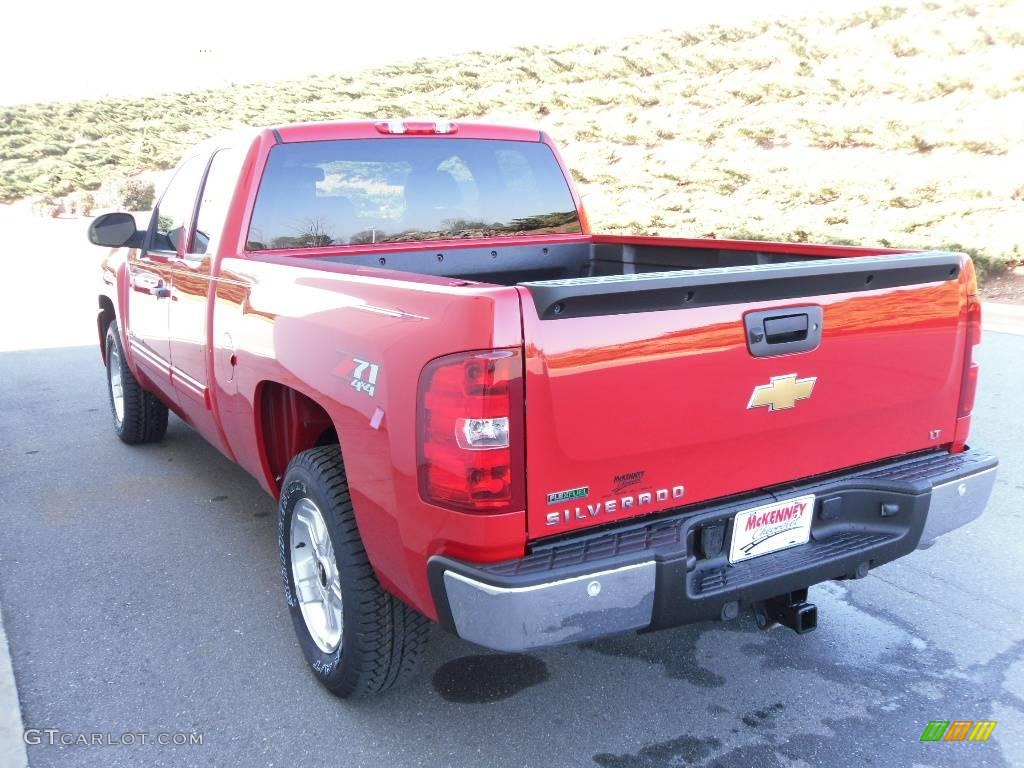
(969, 385)
(470, 418)
(969, 379)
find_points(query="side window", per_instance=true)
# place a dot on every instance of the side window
(175, 207)
(216, 198)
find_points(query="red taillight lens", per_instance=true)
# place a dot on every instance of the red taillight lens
(969, 379)
(969, 385)
(470, 417)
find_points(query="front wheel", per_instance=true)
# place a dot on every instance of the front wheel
(139, 416)
(357, 638)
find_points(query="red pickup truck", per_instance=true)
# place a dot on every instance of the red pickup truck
(473, 411)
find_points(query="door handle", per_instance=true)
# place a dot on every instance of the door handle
(148, 283)
(785, 328)
(783, 331)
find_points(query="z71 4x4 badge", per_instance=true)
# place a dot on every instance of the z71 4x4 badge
(364, 377)
(362, 374)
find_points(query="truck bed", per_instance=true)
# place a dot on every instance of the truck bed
(600, 256)
(645, 357)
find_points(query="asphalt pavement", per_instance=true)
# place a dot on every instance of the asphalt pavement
(140, 591)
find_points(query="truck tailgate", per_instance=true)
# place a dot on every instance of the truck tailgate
(646, 392)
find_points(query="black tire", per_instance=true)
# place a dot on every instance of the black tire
(381, 639)
(144, 418)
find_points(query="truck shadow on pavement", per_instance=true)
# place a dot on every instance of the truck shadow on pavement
(485, 678)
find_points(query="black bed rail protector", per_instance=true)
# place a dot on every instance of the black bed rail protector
(480, 263)
(681, 289)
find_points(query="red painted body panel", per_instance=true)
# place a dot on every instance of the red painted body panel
(302, 327)
(663, 393)
(666, 394)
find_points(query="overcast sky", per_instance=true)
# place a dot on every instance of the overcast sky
(60, 50)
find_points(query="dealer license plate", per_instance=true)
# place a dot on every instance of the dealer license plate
(771, 527)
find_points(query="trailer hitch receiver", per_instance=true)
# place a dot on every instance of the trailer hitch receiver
(790, 610)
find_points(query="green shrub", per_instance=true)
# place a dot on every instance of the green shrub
(86, 203)
(137, 195)
(771, 127)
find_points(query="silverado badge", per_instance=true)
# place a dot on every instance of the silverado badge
(782, 392)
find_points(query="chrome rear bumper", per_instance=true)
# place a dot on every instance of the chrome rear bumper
(656, 574)
(554, 612)
(956, 503)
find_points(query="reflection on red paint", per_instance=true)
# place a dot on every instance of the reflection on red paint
(669, 396)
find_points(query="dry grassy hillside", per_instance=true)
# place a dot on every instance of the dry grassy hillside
(900, 125)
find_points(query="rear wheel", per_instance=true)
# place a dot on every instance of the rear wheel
(357, 638)
(139, 417)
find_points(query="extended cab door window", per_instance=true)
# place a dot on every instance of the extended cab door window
(174, 211)
(218, 189)
(150, 273)
(190, 345)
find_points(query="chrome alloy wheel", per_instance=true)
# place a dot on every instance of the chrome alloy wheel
(315, 573)
(116, 389)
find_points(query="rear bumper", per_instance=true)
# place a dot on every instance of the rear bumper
(675, 570)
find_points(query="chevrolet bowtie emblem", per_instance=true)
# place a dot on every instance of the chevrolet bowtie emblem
(782, 392)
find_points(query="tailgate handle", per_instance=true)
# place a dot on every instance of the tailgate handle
(779, 330)
(783, 331)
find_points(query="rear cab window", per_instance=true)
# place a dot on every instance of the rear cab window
(368, 191)
(218, 189)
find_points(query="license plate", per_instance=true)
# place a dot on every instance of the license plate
(771, 527)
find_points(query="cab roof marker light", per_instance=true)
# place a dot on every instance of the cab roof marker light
(390, 126)
(421, 127)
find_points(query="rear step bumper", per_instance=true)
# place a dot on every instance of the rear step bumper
(675, 569)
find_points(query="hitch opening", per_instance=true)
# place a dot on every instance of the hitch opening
(791, 610)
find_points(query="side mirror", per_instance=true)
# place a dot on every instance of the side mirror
(114, 230)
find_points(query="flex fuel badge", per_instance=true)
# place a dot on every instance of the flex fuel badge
(570, 495)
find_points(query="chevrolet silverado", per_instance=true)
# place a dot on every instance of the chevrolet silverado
(474, 411)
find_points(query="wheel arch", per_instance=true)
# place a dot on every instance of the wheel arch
(105, 315)
(288, 422)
